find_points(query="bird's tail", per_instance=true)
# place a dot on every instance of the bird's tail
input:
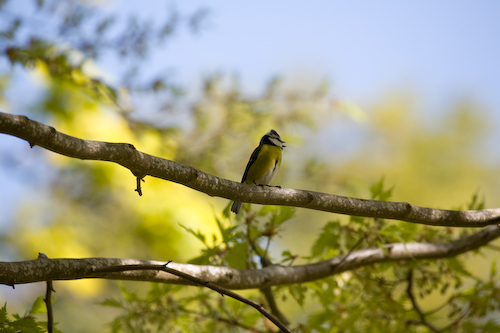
(235, 208)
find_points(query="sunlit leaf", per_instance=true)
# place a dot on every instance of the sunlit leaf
(458, 266)
(112, 303)
(39, 306)
(378, 192)
(237, 256)
(200, 236)
(298, 292)
(328, 239)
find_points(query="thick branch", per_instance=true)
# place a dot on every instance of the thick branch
(42, 269)
(142, 164)
(200, 282)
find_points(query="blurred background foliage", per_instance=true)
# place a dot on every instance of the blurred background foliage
(51, 65)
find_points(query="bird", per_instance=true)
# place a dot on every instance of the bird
(263, 163)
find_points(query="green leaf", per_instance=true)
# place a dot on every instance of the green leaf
(237, 256)
(282, 215)
(288, 256)
(111, 302)
(227, 210)
(298, 292)
(352, 318)
(318, 320)
(197, 234)
(358, 220)
(226, 233)
(39, 306)
(26, 325)
(378, 192)
(267, 209)
(128, 295)
(490, 326)
(3, 315)
(476, 202)
(457, 266)
(205, 258)
(327, 239)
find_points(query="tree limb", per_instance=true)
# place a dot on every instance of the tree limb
(265, 261)
(42, 269)
(48, 301)
(142, 164)
(199, 282)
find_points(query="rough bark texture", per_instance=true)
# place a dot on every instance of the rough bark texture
(42, 269)
(142, 164)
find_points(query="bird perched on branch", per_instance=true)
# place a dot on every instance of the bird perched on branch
(264, 162)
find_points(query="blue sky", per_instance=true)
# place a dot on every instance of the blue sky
(442, 50)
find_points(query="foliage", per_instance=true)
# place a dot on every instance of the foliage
(446, 294)
(237, 244)
(171, 309)
(25, 324)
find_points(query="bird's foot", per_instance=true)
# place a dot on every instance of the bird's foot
(268, 185)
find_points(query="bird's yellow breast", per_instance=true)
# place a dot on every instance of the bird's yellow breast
(263, 169)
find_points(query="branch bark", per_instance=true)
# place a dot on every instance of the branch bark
(142, 164)
(43, 269)
(199, 282)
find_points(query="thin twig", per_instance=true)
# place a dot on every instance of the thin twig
(268, 293)
(48, 304)
(351, 250)
(271, 301)
(266, 251)
(456, 321)
(198, 282)
(227, 321)
(48, 300)
(234, 322)
(265, 261)
(440, 307)
(416, 307)
(138, 185)
(493, 247)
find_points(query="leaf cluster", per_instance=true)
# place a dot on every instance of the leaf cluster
(27, 323)
(411, 296)
(425, 295)
(167, 308)
(243, 245)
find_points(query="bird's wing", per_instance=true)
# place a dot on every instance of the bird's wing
(253, 158)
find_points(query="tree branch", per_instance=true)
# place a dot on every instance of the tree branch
(265, 261)
(42, 269)
(48, 301)
(416, 307)
(142, 164)
(198, 282)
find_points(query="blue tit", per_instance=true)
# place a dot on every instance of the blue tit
(264, 162)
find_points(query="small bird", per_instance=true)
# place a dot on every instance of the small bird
(264, 162)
